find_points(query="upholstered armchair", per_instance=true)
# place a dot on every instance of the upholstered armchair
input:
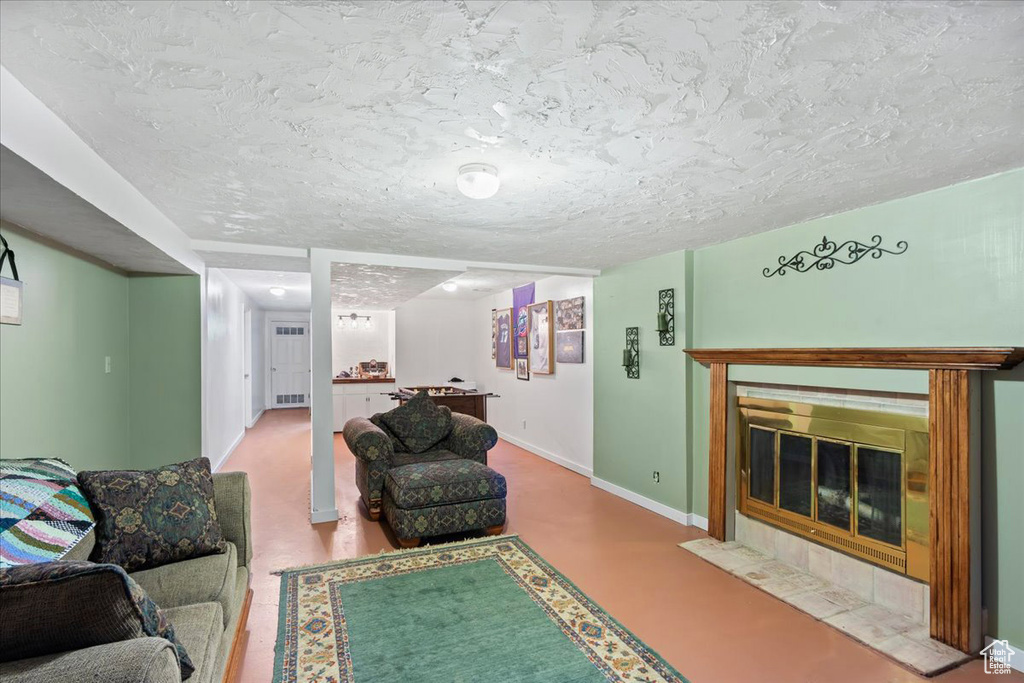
(378, 447)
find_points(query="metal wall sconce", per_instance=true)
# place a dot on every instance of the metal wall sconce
(667, 317)
(631, 354)
(352, 320)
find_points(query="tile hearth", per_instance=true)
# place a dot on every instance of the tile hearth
(895, 635)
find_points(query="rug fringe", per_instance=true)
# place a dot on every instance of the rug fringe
(389, 553)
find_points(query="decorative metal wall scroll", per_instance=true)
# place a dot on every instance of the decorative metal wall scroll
(827, 254)
(631, 356)
(667, 317)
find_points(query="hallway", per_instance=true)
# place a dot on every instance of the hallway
(621, 555)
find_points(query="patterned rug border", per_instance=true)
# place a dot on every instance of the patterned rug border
(638, 644)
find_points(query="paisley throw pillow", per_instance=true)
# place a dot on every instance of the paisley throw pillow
(149, 518)
(419, 424)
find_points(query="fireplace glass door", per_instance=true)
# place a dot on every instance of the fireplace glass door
(835, 493)
(880, 495)
(795, 465)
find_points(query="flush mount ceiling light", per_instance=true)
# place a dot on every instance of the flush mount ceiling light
(449, 286)
(478, 181)
(277, 291)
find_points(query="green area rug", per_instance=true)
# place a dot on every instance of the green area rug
(480, 610)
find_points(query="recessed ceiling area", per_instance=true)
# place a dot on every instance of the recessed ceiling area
(381, 288)
(35, 201)
(257, 283)
(620, 130)
(478, 283)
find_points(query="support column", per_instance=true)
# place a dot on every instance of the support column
(321, 493)
(953, 510)
(717, 453)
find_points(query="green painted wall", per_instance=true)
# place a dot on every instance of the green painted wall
(55, 399)
(165, 419)
(640, 425)
(961, 282)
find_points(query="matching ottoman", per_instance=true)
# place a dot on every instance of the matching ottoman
(444, 497)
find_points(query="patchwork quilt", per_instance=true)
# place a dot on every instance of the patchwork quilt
(42, 511)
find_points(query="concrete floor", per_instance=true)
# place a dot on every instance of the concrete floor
(710, 625)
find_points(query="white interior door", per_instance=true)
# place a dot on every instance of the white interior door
(289, 364)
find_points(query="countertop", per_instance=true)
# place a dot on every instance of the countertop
(364, 380)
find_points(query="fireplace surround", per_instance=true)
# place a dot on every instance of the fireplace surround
(953, 470)
(853, 480)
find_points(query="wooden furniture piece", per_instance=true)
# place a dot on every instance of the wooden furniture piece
(950, 510)
(459, 400)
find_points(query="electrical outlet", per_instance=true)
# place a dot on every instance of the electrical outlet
(524, 424)
(106, 364)
(657, 477)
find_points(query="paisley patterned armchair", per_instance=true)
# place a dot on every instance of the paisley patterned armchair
(419, 431)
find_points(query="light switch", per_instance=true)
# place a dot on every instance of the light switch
(106, 365)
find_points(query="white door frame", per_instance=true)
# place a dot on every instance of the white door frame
(271, 319)
(247, 367)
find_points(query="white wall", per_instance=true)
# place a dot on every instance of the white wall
(437, 339)
(259, 362)
(225, 393)
(350, 346)
(558, 409)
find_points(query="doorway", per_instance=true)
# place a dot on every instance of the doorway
(289, 364)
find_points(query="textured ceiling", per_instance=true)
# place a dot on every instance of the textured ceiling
(620, 129)
(257, 283)
(34, 200)
(229, 259)
(360, 286)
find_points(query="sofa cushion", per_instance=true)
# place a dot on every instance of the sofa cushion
(202, 579)
(420, 423)
(149, 518)
(200, 628)
(139, 660)
(396, 445)
(435, 455)
(56, 606)
(425, 484)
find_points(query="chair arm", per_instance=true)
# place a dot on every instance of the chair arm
(138, 660)
(471, 438)
(232, 499)
(367, 441)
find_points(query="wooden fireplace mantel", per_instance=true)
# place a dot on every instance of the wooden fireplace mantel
(950, 550)
(938, 358)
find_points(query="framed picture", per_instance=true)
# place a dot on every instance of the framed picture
(503, 343)
(494, 333)
(569, 346)
(569, 314)
(523, 369)
(542, 338)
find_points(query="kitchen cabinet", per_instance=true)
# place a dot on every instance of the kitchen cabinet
(353, 398)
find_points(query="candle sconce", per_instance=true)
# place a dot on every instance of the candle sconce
(631, 354)
(667, 317)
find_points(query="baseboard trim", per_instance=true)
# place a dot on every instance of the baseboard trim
(1016, 660)
(687, 518)
(215, 467)
(322, 516)
(256, 418)
(547, 455)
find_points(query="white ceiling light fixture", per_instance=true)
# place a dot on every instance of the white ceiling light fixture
(277, 291)
(449, 286)
(478, 181)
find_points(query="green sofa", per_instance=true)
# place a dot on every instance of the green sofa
(206, 599)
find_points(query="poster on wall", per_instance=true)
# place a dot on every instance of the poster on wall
(522, 297)
(503, 347)
(569, 314)
(569, 346)
(523, 369)
(494, 333)
(569, 324)
(542, 338)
